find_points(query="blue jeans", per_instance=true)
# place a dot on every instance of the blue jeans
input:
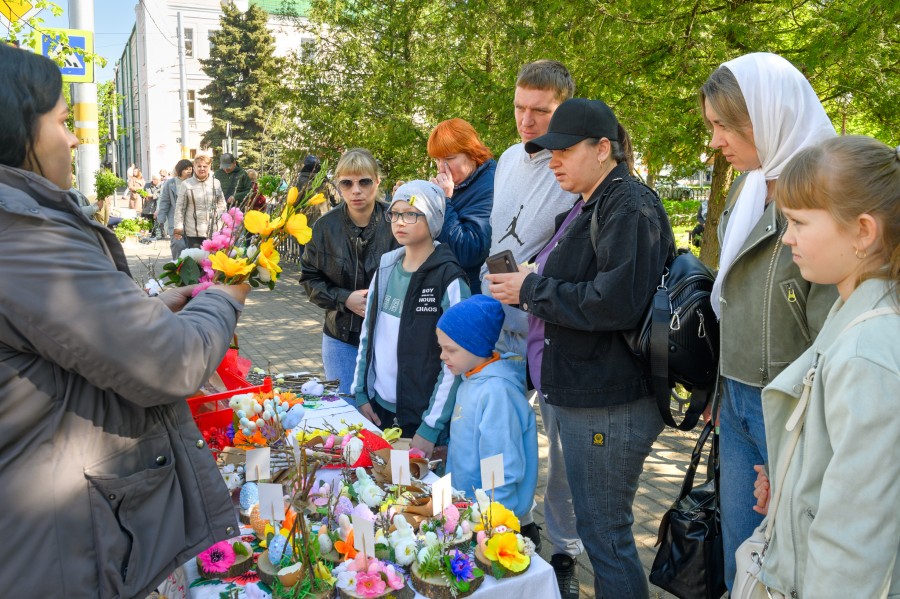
(605, 449)
(339, 359)
(742, 445)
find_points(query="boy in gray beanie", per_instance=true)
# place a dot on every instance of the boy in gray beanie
(399, 378)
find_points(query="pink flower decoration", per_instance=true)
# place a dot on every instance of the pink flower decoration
(217, 558)
(200, 287)
(375, 566)
(362, 511)
(369, 585)
(415, 452)
(233, 217)
(394, 579)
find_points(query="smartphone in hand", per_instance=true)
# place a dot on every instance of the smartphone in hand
(501, 262)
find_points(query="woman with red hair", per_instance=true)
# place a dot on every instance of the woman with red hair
(466, 174)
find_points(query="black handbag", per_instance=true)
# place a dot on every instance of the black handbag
(690, 562)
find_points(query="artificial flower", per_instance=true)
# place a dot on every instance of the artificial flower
(260, 223)
(504, 548)
(500, 516)
(461, 566)
(217, 558)
(451, 518)
(371, 495)
(346, 579)
(230, 267)
(345, 548)
(293, 194)
(316, 199)
(269, 257)
(323, 573)
(369, 584)
(405, 550)
(394, 578)
(297, 227)
(243, 441)
(195, 254)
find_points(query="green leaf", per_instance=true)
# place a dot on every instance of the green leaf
(190, 271)
(205, 582)
(264, 587)
(240, 548)
(497, 571)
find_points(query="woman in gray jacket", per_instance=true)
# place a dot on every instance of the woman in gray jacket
(761, 111)
(105, 481)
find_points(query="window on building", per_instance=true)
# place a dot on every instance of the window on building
(188, 42)
(192, 104)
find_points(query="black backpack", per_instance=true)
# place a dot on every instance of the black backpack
(678, 338)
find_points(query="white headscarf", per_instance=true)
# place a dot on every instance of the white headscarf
(786, 116)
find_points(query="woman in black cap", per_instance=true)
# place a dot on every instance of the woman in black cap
(582, 292)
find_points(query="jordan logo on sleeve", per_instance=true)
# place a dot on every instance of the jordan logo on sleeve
(511, 229)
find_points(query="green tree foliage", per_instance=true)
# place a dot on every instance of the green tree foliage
(245, 79)
(385, 73)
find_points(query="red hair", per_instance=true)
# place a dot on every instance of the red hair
(456, 136)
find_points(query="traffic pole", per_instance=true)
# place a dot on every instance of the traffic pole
(84, 108)
(185, 147)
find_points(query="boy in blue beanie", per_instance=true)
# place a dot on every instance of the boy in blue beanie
(399, 378)
(491, 415)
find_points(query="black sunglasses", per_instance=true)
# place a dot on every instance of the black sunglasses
(347, 184)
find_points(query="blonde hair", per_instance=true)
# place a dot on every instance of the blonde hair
(252, 174)
(205, 158)
(725, 96)
(357, 161)
(849, 176)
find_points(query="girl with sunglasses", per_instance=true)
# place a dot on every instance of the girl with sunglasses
(339, 261)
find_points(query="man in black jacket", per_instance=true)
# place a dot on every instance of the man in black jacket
(235, 181)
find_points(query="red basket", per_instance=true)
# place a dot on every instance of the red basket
(220, 415)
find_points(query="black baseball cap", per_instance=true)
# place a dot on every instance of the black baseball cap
(573, 121)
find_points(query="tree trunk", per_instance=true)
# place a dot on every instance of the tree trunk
(723, 176)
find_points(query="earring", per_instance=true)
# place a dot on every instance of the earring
(864, 254)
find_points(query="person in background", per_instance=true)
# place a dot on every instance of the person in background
(340, 260)
(761, 111)
(135, 184)
(105, 475)
(585, 290)
(491, 414)
(235, 183)
(163, 175)
(526, 197)
(259, 201)
(165, 209)
(407, 386)
(150, 203)
(199, 205)
(841, 199)
(466, 174)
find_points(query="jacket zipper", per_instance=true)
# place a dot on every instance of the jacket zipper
(767, 306)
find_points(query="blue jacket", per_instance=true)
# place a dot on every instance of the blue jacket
(492, 416)
(467, 222)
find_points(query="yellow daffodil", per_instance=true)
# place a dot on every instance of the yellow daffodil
(229, 266)
(293, 194)
(269, 257)
(316, 199)
(323, 573)
(296, 226)
(259, 222)
(500, 516)
(504, 548)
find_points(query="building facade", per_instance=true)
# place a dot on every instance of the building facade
(148, 83)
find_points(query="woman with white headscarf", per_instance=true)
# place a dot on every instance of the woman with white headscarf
(761, 111)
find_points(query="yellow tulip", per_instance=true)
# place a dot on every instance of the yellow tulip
(229, 266)
(504, 548)
(259, 223)
(316, 199)
(296, 226)
(500, 516)
(293, 194)
(269, 257)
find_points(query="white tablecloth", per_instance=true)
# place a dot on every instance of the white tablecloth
(538, 581)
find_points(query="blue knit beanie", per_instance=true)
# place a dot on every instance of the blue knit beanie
(474, 324)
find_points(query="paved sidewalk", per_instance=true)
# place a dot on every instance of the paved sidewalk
(282, 330)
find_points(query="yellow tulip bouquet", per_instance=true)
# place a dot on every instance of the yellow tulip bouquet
(243, 250)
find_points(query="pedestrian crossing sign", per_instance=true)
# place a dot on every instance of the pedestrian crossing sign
(70, 55)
